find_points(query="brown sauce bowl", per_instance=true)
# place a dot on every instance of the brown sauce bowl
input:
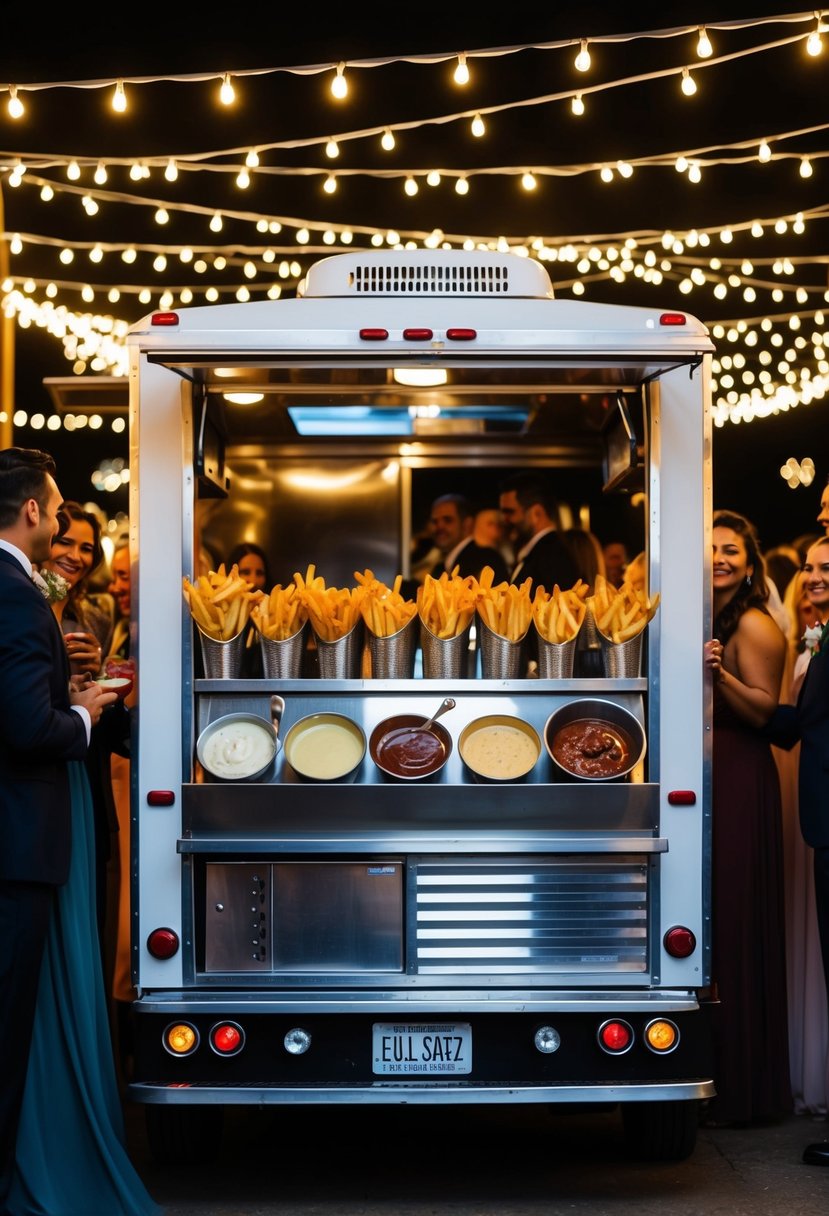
(407, 757)
(615, 719)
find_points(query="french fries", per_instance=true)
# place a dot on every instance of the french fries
(333, 611)
(506, 608)
(559, 616)
(446, 605)
(383, 608)
(622, 612)
(220, 603)
(280, 614)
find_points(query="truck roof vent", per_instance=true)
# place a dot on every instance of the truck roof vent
(425, 272)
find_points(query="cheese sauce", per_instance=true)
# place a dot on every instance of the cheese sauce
(503, 753)
(325, 751)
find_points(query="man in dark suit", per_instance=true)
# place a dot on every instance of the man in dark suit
(452, 522)
(42, 725)
(529, 512)
(807, 722)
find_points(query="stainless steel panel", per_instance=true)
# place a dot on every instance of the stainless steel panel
(237, 917)
(580, 914)
(338, 916)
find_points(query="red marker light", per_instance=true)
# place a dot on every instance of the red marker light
(163, 943)
(673, 318)
(616, 1037)
(227, 1038)
(374, 335)
(682, 798)
(461, 335)
(164, 318)
(679, 942)
(160, 798)
(418, 335)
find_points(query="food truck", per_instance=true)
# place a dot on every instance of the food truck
(375, 936)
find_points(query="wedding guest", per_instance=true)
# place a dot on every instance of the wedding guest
(807, 722)
(746, 658)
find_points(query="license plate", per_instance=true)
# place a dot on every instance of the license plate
(428, 1049)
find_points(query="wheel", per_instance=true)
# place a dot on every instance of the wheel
(184, 1135)
(660, 1131)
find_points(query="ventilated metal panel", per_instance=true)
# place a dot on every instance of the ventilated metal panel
(435, 280)
(578, 914)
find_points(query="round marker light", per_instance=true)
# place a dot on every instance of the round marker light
(679, 942)
(547, 1040)
(615, 1037)
(163, 943)
(181, 1039)
(297, 1041)
(661, 1036)
(227, 1039)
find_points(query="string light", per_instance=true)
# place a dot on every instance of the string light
(462, 186)
(577, 105)
(227, 93)
(704, 47)
(410, 186)
(330, 184)
(252, 159)
(387, 140)
(814, 43)
(243, 179)
(433, 178)
(216, 223)
(805, 167)
(73, 171)
(339, 85)
(478, 127)
(461, 75)
(171, 171)
(582, 61)
(764, 153)
(15, 105)
(119, 98)
(689, 85)
(528, 181)
(332, 149)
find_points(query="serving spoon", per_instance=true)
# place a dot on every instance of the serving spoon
(446, 703)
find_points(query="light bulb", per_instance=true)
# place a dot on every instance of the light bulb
(433, 178)
(339, 85)
(478, 126)
(47, 194)
(243, 179)
(15, 106)
(100, 174)
(216, 223)
(73, 170)
(461, 186)
(805, 167)
(681, 164)
(303, 236)
(136, 172)
(160, 263)
(689, 85)
(171, 172)
(119, 98)
(332, 150)
(764, 153)
(330, 184)
(577, 105)
(582, 60)
(624, 169)
(606, 173)
(387, 140)
(694, 174)
(410, 186)
(161, 216)
(16, 175)
(66, 255)
(227, 93)
(129, 255)
(704, 47)
(814, 44)
(528, 181)
(461, 71)
(252, 159)
(16, 245)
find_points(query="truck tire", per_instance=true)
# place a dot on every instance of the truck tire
(660, 1131)
(184, 1135)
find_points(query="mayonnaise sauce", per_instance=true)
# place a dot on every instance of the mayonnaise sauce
(238, 749)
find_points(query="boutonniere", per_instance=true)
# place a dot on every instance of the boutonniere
(811, 638)
(54, 586)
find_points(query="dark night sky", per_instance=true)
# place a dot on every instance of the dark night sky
(751, 99)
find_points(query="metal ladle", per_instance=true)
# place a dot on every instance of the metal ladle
(446, 703)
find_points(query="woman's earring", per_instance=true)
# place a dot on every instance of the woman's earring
(748, 580)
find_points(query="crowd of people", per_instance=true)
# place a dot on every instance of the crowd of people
(64, 813)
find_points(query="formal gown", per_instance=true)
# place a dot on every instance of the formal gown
(751, 1071)
(71, 1159)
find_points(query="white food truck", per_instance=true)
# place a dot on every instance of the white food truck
(448, 940)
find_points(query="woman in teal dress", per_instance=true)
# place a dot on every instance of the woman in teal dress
(70, 1157)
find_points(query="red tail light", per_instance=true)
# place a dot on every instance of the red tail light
(164, 318)
(163, 943)
(616, 1037)
(679, 942)
(227, 1038)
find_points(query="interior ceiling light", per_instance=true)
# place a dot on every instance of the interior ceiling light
(425, 377)
(244, 398)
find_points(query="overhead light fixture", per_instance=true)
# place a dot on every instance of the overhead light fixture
(420, 377)
(244, 398)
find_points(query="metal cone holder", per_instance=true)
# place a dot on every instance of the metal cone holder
(343, 658)
(444, 658)
(282, 660)
(222, 660)
(622, 659)
(500, 658)
(393, 656)
(555, 659)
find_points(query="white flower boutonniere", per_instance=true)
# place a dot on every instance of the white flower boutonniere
(54, 586)
(811, 638)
